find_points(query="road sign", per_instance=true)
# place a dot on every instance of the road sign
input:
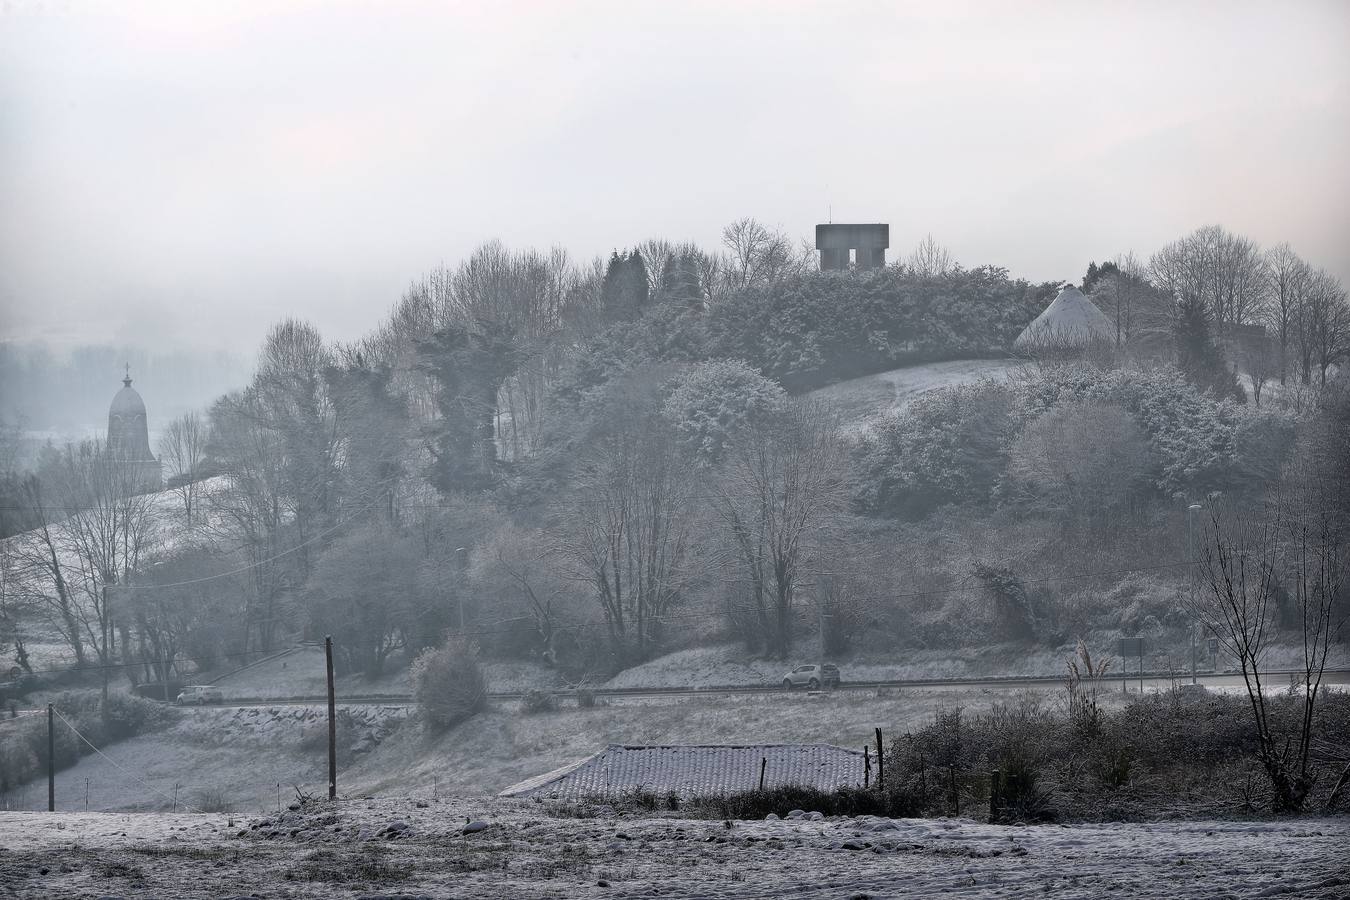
(1127, 647)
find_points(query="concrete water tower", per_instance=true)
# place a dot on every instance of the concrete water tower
(869, 243)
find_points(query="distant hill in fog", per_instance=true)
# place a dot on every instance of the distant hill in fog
(66, 393)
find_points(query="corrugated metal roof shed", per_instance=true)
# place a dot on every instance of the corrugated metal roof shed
(703, 770)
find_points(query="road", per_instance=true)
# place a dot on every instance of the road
(1338, 679)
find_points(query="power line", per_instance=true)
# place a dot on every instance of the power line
(141, 663)
(119, 768)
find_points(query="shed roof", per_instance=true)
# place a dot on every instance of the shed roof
(702, 770)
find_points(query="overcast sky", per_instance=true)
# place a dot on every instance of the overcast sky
(186, 173)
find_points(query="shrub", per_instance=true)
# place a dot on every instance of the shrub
(1161, 756)
(585, 698)
(448, 684)
(535, 701)
(894, 802)
(23, 742)
(212, 800)
(949, 446)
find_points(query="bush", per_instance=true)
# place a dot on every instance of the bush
(949, 446)
(23, 742)
(212, 800)
(535, 701)
(448, 684)
(585, 698)
(1161, 756)
(894, 802)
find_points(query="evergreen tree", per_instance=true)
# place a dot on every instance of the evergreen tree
(469, 365)
(1199, 356)
(1096, 273)
(625, 290)
(680, 281)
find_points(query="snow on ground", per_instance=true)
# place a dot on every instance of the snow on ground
(862, 400)
(420, 848)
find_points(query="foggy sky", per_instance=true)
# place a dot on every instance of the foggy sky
(186, 174)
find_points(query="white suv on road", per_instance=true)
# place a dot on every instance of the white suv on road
(812, 677)
(200, 694)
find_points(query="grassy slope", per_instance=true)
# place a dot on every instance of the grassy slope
(861, 400)
(502, 746)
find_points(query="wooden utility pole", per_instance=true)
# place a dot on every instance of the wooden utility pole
(51, 760)
(881, 762)
(332, 720)
(107, 653)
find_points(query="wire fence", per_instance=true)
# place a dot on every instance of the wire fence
(115, 784)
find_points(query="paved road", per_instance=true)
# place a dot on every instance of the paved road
(1151, 682)
(1335, 679)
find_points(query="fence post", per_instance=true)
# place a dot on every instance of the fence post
(332, 720)
(993, 797)
(867, 766)
(763, 762)
(51, 761)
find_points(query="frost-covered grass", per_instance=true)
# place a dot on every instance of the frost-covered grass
(523, 852)
(300, 673)
(500, 747)
(861, 400)
(230, 756)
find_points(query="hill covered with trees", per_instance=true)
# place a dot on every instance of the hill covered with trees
(591, 465)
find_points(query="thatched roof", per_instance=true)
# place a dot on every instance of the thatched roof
(1070, 321)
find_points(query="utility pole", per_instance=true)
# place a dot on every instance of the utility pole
(881, 761)
(332, 720)
(1190, 549)
(462, 563)
(51, 760)
(107, 655)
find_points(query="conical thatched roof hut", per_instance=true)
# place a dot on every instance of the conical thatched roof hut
(1071, 322)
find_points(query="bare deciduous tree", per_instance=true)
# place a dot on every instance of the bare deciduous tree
(1223, 272)
(1288, 284)
(779, 486)
(930, 259)
(1240, 564)
(182, 447)
(1090, 458)
(1322, 324)
(513, 571)
(627, 534)
(757, 256)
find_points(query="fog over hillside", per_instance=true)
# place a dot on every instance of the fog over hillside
(63, 393)
(677, 449)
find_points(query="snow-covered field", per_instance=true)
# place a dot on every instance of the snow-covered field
(420, 848)
(862, 400)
